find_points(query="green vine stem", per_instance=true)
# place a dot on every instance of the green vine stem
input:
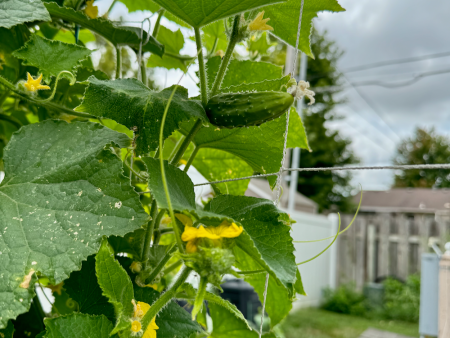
(191, 158)
(152, 275)
(158, 23)
(158, 233)
(213, 49)
(165, 298)
(144, 78)
(72, 82)
(149, 232)
(198, 303)
(163, 172)
(227, 57)
(118, 63)
(201, 66)
(176, 148)
(189, 137)
(11, 119)
(172, 267)
(44, 103)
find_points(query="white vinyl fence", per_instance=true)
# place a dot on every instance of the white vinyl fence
(321, 272)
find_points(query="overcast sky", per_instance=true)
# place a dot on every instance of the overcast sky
(373, 31)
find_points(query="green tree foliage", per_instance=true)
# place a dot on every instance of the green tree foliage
(426, 146)
(330, 190)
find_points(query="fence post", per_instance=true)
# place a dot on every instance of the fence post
(360, 251)
(444, 295)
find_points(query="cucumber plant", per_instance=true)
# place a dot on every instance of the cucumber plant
(96, 205)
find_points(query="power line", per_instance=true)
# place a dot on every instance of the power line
(396, 62)
(401, 84)
(387, 63)
(371, 105)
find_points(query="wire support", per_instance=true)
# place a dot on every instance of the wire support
(388, 167)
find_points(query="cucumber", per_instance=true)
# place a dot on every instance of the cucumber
(235, 110)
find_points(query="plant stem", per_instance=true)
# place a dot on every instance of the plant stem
(180, 57)
(198, 303)
(149, 232)
(213, 49)
(191, 158)
(156, 229)
(201, 66)
(173, 266)
(163, 172)
(227, 57)
(45, 104)
(158, 24)
(4, 96)
(144, 73)
(15, 122)
(176, 148)
(118, 63)
(160, 265)
(165, 298)
(186, 142)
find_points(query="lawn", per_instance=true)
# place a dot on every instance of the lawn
(315, 323)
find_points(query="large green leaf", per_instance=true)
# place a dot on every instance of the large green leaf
(15, 12)
(173, 42)
(284, 20)
(82, 286)
(149, 5)
(172, 320)
(10, 40)
(78, 325)
(51, 57)
(198, 13)
(132, 243)
(216, 165)
(226, 325)
(265, 226)
(132, 104)
(118, 36)
(179, 184)
(62, 192)
(116, 285)
(243, 72)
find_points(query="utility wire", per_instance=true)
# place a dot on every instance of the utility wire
(396, 62)
(372, 106)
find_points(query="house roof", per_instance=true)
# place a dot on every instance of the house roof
(261, 188)
(420, 200)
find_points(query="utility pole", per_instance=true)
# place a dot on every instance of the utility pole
(296, 151)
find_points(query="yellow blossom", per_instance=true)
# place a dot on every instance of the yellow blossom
(140, 309)
(224, 230)
(34, 84)
(136, 267)
(220, 53)
(91, 10)
(259, 24)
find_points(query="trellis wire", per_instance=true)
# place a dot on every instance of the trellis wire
(391, 167)
(280, 172)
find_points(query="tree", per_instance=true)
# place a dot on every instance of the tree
(328, 189)
(425, 147)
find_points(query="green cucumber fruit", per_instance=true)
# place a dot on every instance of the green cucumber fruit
(235, 110)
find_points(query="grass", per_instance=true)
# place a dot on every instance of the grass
(316, 323)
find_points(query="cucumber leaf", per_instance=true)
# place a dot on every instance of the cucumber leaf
(52, 57)
(131, 103)
(198, 13)
(61, 193)
(15, 12)
(78, 325)
(116, 285)
(284, 20)
(173, 42)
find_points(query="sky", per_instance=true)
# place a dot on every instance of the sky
(368, 32)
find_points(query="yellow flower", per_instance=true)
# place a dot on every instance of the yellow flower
(259, 24)
(34, 84)
(140, 309)
(91, 10)
(224, 230)
(136, 267)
